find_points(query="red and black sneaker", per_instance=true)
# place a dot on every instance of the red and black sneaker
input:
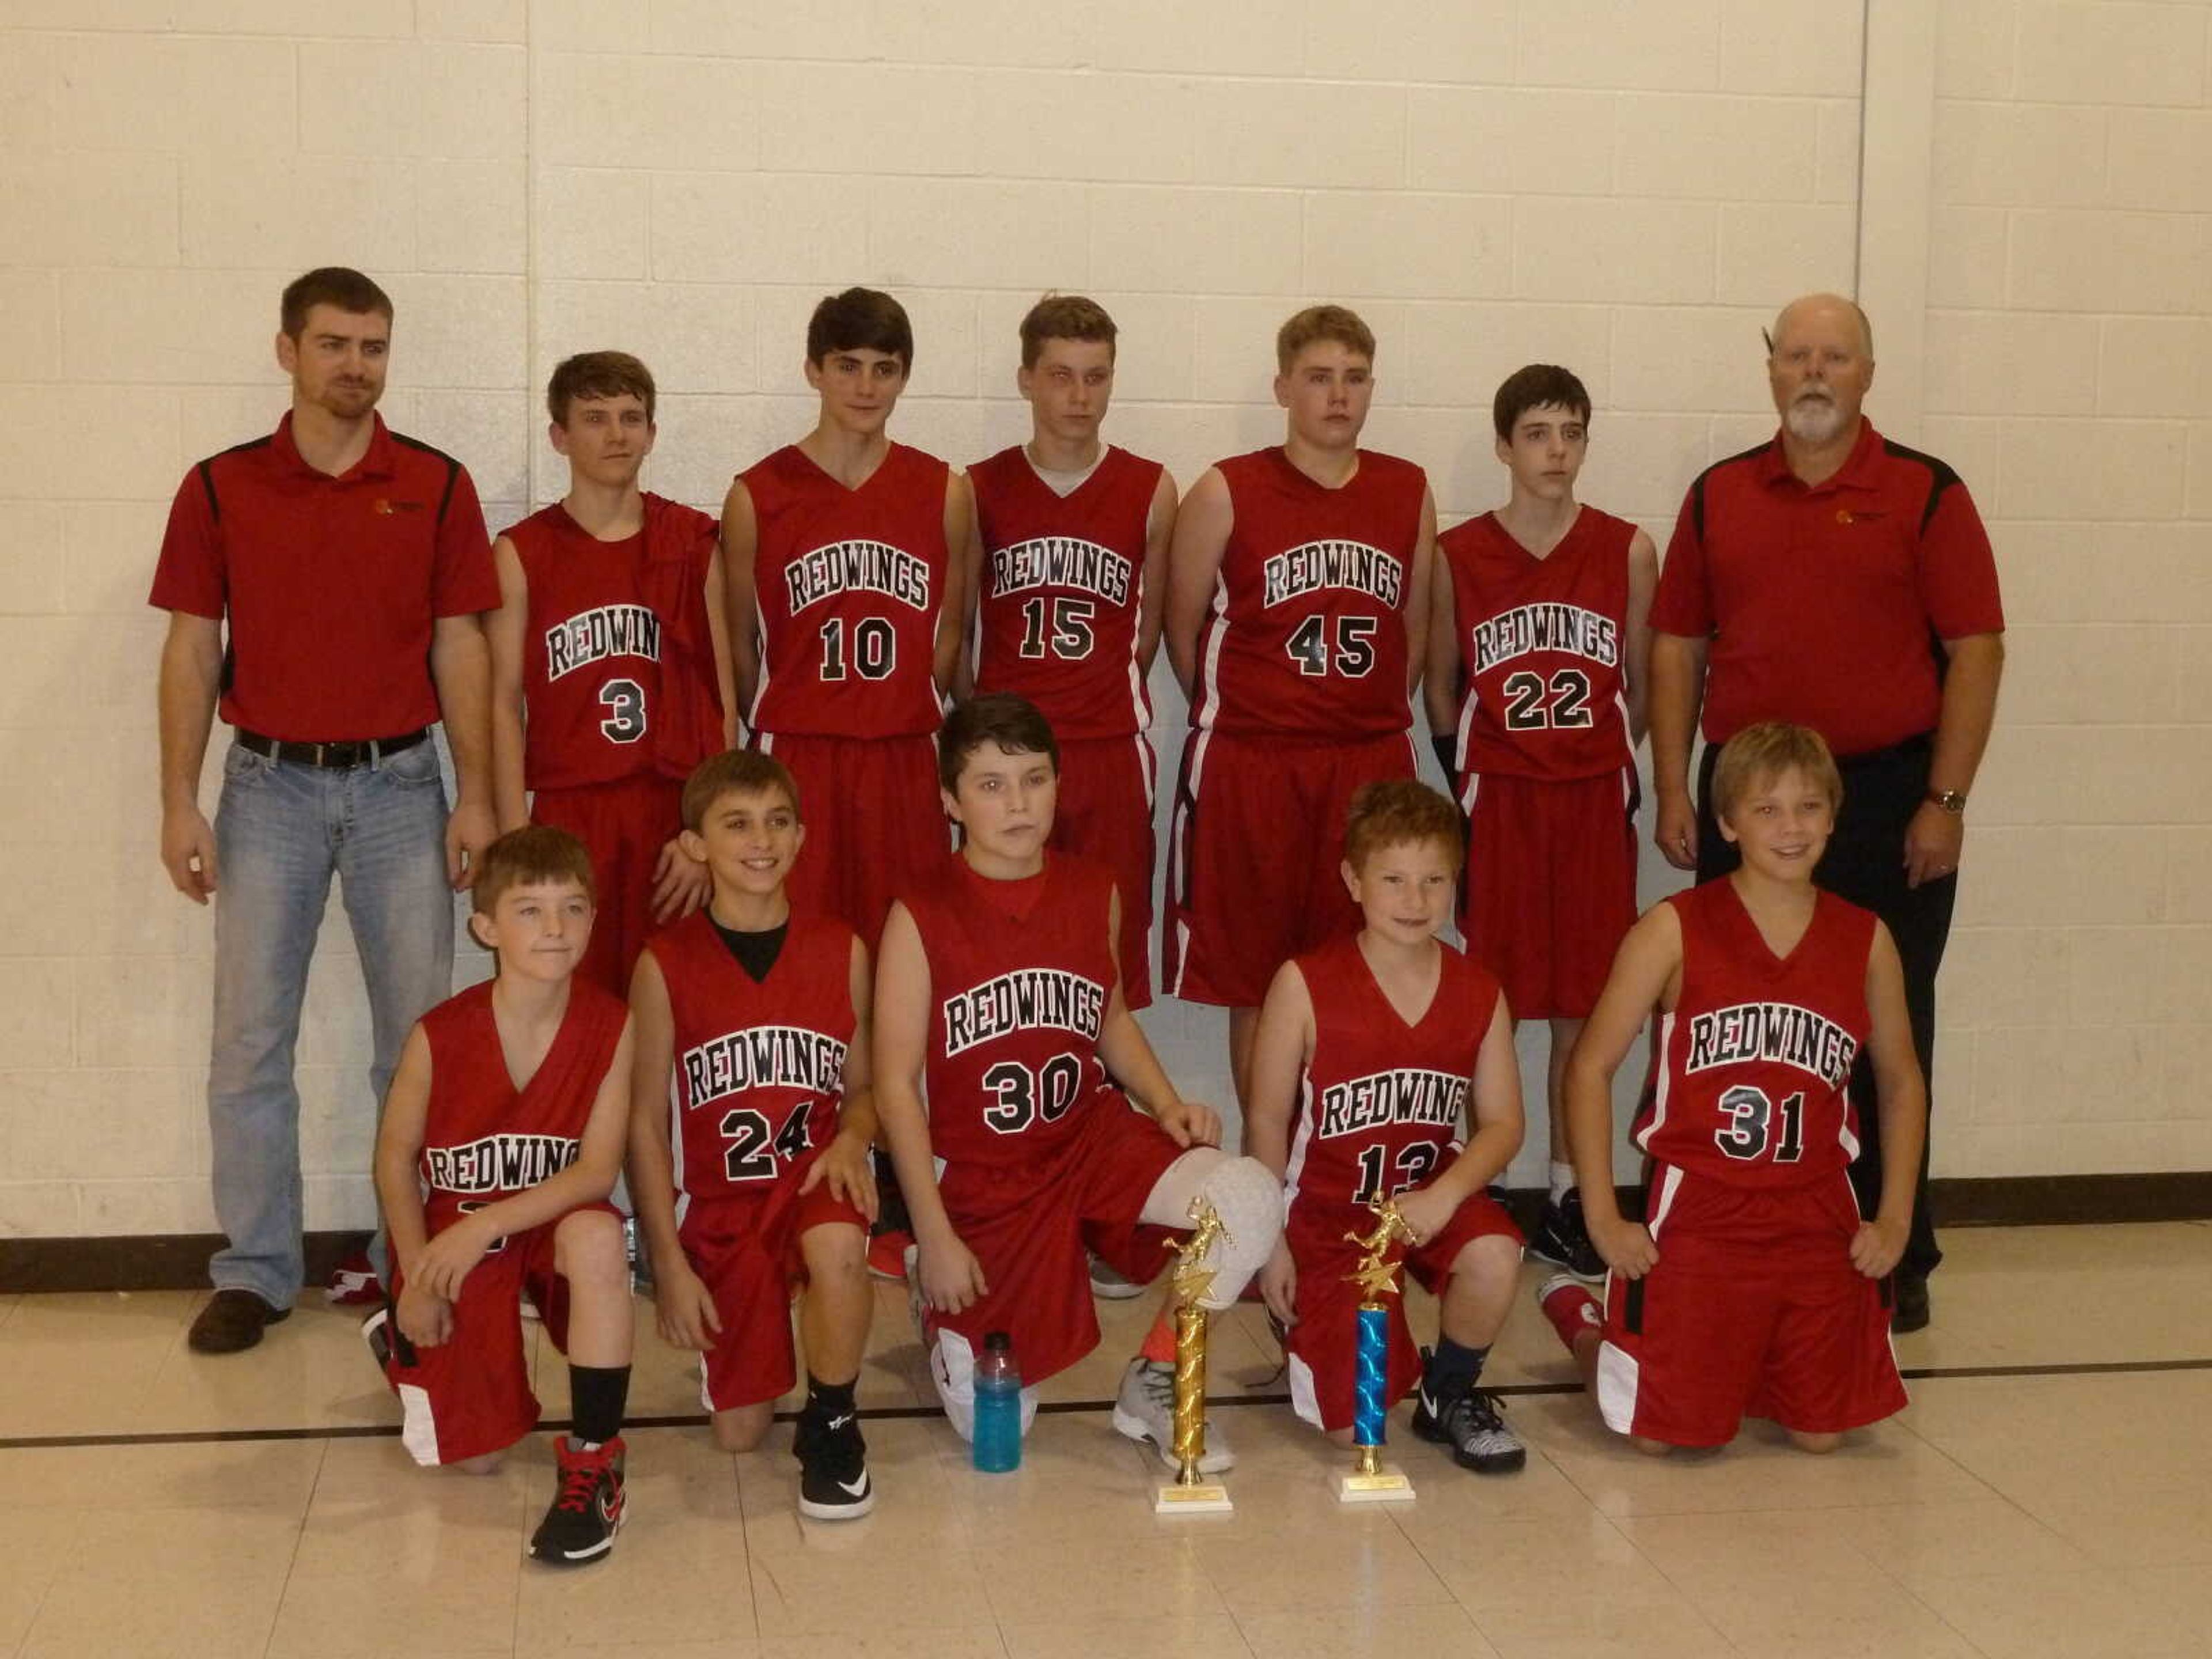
(354, 1284)
(589, 1508)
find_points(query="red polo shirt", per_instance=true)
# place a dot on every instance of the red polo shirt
(330, 584)
(1822, 603)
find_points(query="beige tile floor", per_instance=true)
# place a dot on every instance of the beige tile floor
(2041, 1515)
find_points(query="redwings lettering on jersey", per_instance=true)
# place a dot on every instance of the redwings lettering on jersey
(612, 630)
(1312, 565)
(764, 1057)
(1025, 999)
(499, 1164)
(1780, 1032)
(874, 566)
(1548, 627)
(1061, 561)
(1404, 1095)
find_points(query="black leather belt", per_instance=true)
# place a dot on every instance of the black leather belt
(366, 752)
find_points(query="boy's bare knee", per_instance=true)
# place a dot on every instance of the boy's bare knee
(1819, 1445)
(1491, 1261)
(587, 1246)
(835, 1249)
(742, 1430)
(1649, 1447)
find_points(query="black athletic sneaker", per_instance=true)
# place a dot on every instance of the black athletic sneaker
(1470, 1426)
(1562, 1239)
(587, 1511)
(833, 1467)
(1909, 1311)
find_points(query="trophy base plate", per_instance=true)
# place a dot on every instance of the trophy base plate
(1387, 1486)
(1207, 1499)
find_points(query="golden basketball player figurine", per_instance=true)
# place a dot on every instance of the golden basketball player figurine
(1190, 1494)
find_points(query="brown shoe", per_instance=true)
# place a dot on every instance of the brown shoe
(233, 1322)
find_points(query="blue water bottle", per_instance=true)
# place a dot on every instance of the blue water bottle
(998, 1443)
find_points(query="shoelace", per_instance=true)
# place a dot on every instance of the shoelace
(580, 1481)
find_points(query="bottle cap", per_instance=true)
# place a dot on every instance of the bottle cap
(998, 1342)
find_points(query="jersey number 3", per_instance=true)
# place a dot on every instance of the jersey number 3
(624, 702)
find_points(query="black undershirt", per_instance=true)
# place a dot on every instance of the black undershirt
(755, 952)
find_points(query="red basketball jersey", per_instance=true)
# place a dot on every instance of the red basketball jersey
(1756, 1052)
(760, 1066)
(1307, 635)
(1540, 642)
(1063, 580)
(1383, 1102)
(849, 585)
(1019, 972)
(593, 646)
(482, 1138)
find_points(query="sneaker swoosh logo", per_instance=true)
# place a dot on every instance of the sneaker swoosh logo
(839, 1422)
(855, 1488)
(1428, 1403)
(610, 1506)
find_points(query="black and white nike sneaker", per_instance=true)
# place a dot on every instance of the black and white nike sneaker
(1562, 1238)
(588, 1508)
(832, 1467)
(1471, 1425)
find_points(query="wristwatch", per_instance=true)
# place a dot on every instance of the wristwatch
(1949, 799)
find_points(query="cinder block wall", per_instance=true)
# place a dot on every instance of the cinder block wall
(1627, 186)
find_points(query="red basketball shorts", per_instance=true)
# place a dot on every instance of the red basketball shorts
(624, 825)
(875, 828)
(746, 1248)
(1030, 1224)
(1255, 856)
(471, 1394)
(1753, 1309)
(1323, 1346)
(1105, 815)
(1551, 887)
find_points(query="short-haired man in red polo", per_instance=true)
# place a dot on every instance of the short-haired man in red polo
(1837, 579)
(352, 568)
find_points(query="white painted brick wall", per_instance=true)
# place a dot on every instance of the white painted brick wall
(1626, 187)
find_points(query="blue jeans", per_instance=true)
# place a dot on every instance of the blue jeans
(282, 831)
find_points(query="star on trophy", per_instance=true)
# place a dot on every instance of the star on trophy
(1189, 1494)
(1371, 1480)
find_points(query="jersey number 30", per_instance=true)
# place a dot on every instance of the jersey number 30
(1023, 1096)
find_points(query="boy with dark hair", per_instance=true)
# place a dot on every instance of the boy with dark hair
(610, 673)
(1298, 603)
(507, 1110)
(750, 1136)
(1754, 1287)
(1539, 659)
(998, 997)
(1378, 1044)
(845, 613)
(1067, 575)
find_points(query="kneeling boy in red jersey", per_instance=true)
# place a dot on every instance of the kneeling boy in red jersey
(1375, 1042)
(759, 1014)
(999, 989)
(508, 1108)
(1753, 1287)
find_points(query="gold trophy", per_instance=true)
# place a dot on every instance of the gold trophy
(1372, 1480)
(1188, 1493)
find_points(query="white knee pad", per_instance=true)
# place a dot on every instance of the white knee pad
(953, 1369)
(1243, 1192)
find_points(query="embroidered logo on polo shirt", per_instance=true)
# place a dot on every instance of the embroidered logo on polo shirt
(386, 507)
(1849, 515)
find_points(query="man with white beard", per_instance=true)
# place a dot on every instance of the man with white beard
(1835, 579)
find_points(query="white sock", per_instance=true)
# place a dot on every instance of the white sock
(1563, 1181)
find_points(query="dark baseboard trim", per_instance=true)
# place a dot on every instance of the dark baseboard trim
(178, 1262)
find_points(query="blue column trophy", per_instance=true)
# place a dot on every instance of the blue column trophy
(1371, 1480)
